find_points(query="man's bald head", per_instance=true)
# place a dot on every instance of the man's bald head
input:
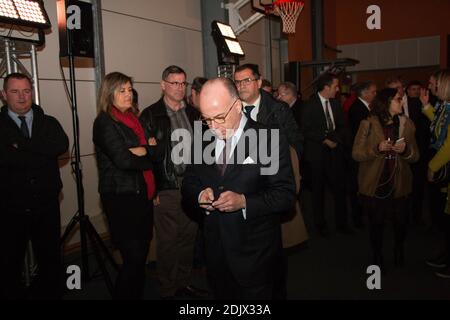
(219, 99)
(226, 83)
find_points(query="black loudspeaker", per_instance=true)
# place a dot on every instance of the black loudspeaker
(79, 40)
(292, 73)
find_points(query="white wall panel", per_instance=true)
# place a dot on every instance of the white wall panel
(142, 49)
(406, 53)
(185, 13)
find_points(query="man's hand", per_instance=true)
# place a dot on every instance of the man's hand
(430, 175)
(399, 147)
(207, 198)
(138, 151)
(424, 96)
(330, 143)
(152, 141)
(156, 201)
(230, 201)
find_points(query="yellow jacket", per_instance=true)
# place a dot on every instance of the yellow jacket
(442, 156)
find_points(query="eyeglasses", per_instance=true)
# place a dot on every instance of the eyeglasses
(244, 82)
(219, 119)
(177, 84)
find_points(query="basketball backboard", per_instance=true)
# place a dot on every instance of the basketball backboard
(258, 5)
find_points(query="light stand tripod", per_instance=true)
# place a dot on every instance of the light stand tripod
(87, 230)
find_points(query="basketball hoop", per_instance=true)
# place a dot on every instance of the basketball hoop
(288, 10)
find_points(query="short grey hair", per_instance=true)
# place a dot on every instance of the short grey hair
(363, 87)
(289, 86)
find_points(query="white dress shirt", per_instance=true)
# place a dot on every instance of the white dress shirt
(220, 144)
(255, 111)
(324, 105)
(28, 119)
(405, 105)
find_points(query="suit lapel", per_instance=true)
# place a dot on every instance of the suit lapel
(263, 111)
(320, 112)
(37, 124)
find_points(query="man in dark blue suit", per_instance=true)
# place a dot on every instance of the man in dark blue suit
(325, 133)
(241, 195)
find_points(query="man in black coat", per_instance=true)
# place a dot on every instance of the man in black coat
(358, 111)
(263, 108)
(30, 144)
(324, 130)
(288, 93)
(241, 201)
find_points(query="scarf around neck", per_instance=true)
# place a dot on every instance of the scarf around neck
(131, 121)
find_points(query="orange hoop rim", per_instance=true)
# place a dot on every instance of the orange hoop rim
(270, 8)
(289, 11)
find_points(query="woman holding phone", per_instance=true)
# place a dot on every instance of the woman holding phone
(384, 146)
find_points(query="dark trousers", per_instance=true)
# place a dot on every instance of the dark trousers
(378, 210)
(199, 248)
(419, 171)
(130, 220)
(353, 192)
(280, 277)
(438, 200)
(225, 287)
(42, 226)
(441, 219)
(446, 228)
(175, 240)
(329, 171)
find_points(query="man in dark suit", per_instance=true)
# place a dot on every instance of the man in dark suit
(287, 92)
(324, 130)
(242, 202)
(358, 111)
(30, 183)
(263, 108)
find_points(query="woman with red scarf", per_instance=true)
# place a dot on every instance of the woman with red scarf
(126, 183)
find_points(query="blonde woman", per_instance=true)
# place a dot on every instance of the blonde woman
(126, 182)
(440, 144)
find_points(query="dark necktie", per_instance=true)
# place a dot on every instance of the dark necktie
(24, 127)
(223, 158)
(248, 111)
(330, 125)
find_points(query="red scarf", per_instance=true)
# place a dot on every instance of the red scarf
(131, 121)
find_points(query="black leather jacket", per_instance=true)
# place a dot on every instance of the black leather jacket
(120, 171)
(156, 120)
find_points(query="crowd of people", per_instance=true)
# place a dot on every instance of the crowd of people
(381, 150)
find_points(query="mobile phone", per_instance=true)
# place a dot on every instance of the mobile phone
(205, 203)
(400, 140)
